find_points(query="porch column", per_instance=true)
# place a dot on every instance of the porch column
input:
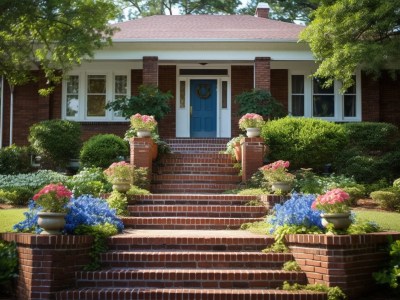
(262, 73)
(150, 70)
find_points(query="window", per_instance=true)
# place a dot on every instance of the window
(350, 101)
(298, 95)
(85, 95)
(224, 100)
(323, 99)
(182, 94)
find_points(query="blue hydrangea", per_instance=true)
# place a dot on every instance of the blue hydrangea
(84, 210)
(296, 211)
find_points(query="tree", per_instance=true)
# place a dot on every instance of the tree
(347, 34)
(140, 8)
(288, 11)
(51, 35)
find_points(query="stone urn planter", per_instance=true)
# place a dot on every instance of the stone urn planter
(339, 221)
(285, 187)
(51, 223)
(121, 186)
(143, 133)
(252, 132)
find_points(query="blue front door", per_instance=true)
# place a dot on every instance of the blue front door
(203, 108)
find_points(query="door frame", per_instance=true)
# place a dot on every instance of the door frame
(182, 114)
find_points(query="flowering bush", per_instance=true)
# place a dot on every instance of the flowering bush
(53, 198)
(277, 172)
(251, 121)
(84, 210)
(295, 211)
(333, 201)
(143, 122)
(119, 171)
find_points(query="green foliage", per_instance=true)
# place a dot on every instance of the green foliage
(230, 146)
(334, 293)
(256, 227)
(257, 180)
(8, 261)
(360, 226)
(51, 35)
(391, 275)
(119, 202)
(100, 234)
(355, 193)
(32, 181)
(291, 265)
(252, 192)
(396, 183)
(17, 196)
(149, 101)
(254, 203)
(340, 50)
(260, 102)
(88, 181)
(140, 178)
(388, 199)
(57, 141)
(102, 150)
(15, 160)
(304, 142)
(134, 190)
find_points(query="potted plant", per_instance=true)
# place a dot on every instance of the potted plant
(143, 124)
(234, 149)
(53, 200)
(120, 175)
(335, 209)
(251, 123)
(277, 174)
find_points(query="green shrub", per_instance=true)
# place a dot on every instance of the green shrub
(389, 200)
(119, 202)
(134, 190)
(88, 181)
(396, 183)
(8, 261)
(355, 192)
(252, 192)
(57, 141)
(15, 160)
(261, 102)
(371, 136)
(102, 150)
(391, 274)
(291, 265)
(140, 178)
(16, 195)
(304, 142)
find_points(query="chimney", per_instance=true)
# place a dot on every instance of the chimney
(262, 10)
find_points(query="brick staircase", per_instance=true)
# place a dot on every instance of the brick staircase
(182, 246)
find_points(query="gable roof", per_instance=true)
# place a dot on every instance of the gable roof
(206, 28)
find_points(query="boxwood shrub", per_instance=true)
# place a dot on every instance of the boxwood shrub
(15, 159)
(102, 150)
(304, 142)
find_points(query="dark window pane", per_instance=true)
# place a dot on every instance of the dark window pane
(318, 89)
(298, 105)
(323, 106)
(224, 94)
(349, 105)
(182, 89)
(203, 72)
(96, 105)
(297, 84)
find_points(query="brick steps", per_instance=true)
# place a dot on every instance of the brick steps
(192, 199)
(194, 259)
(186, 222)
(216, 211)
(198, 169)
(188, 278)
(185, 145)
(189, 240)
(184, 188)
(186, 294)
(196, 178)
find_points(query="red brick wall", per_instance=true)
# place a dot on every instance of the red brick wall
(242, 79)
(90, 129)
(252, 156)
(280, 86)
(167, 82)
(262, 70)
(390, 99)
(370, 98)
(136, 80)
(150, 70)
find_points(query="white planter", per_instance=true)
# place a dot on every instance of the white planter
(253, 132)
(143, 133)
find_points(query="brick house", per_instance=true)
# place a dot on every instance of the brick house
(205, 61)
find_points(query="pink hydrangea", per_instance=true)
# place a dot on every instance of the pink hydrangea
(277, 172)
(251, 120)
(143, 122)
(57, 190)
(333, 201)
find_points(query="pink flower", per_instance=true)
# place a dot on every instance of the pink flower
(333, 201)
(277, 171)
(250, 120)
(59, 191)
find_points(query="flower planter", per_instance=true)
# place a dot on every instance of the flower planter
(143, 133)
(285, 187)
(154, 151)
(238, 152)
(51, 223)
(339, 221)
(121, 186)
(252, 132)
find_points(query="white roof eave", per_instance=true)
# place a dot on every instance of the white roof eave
(134, 40)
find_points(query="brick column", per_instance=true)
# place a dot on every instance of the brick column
(141, 154)
(252, 156)
(47, 263)
(262, 73)
(150, 70)
(346, 261)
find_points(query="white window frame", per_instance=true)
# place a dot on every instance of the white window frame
(81, 116)
(338, 98)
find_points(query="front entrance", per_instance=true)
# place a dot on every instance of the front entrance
(203, 108)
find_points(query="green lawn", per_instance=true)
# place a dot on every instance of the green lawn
(9, 217)
(387, 220)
